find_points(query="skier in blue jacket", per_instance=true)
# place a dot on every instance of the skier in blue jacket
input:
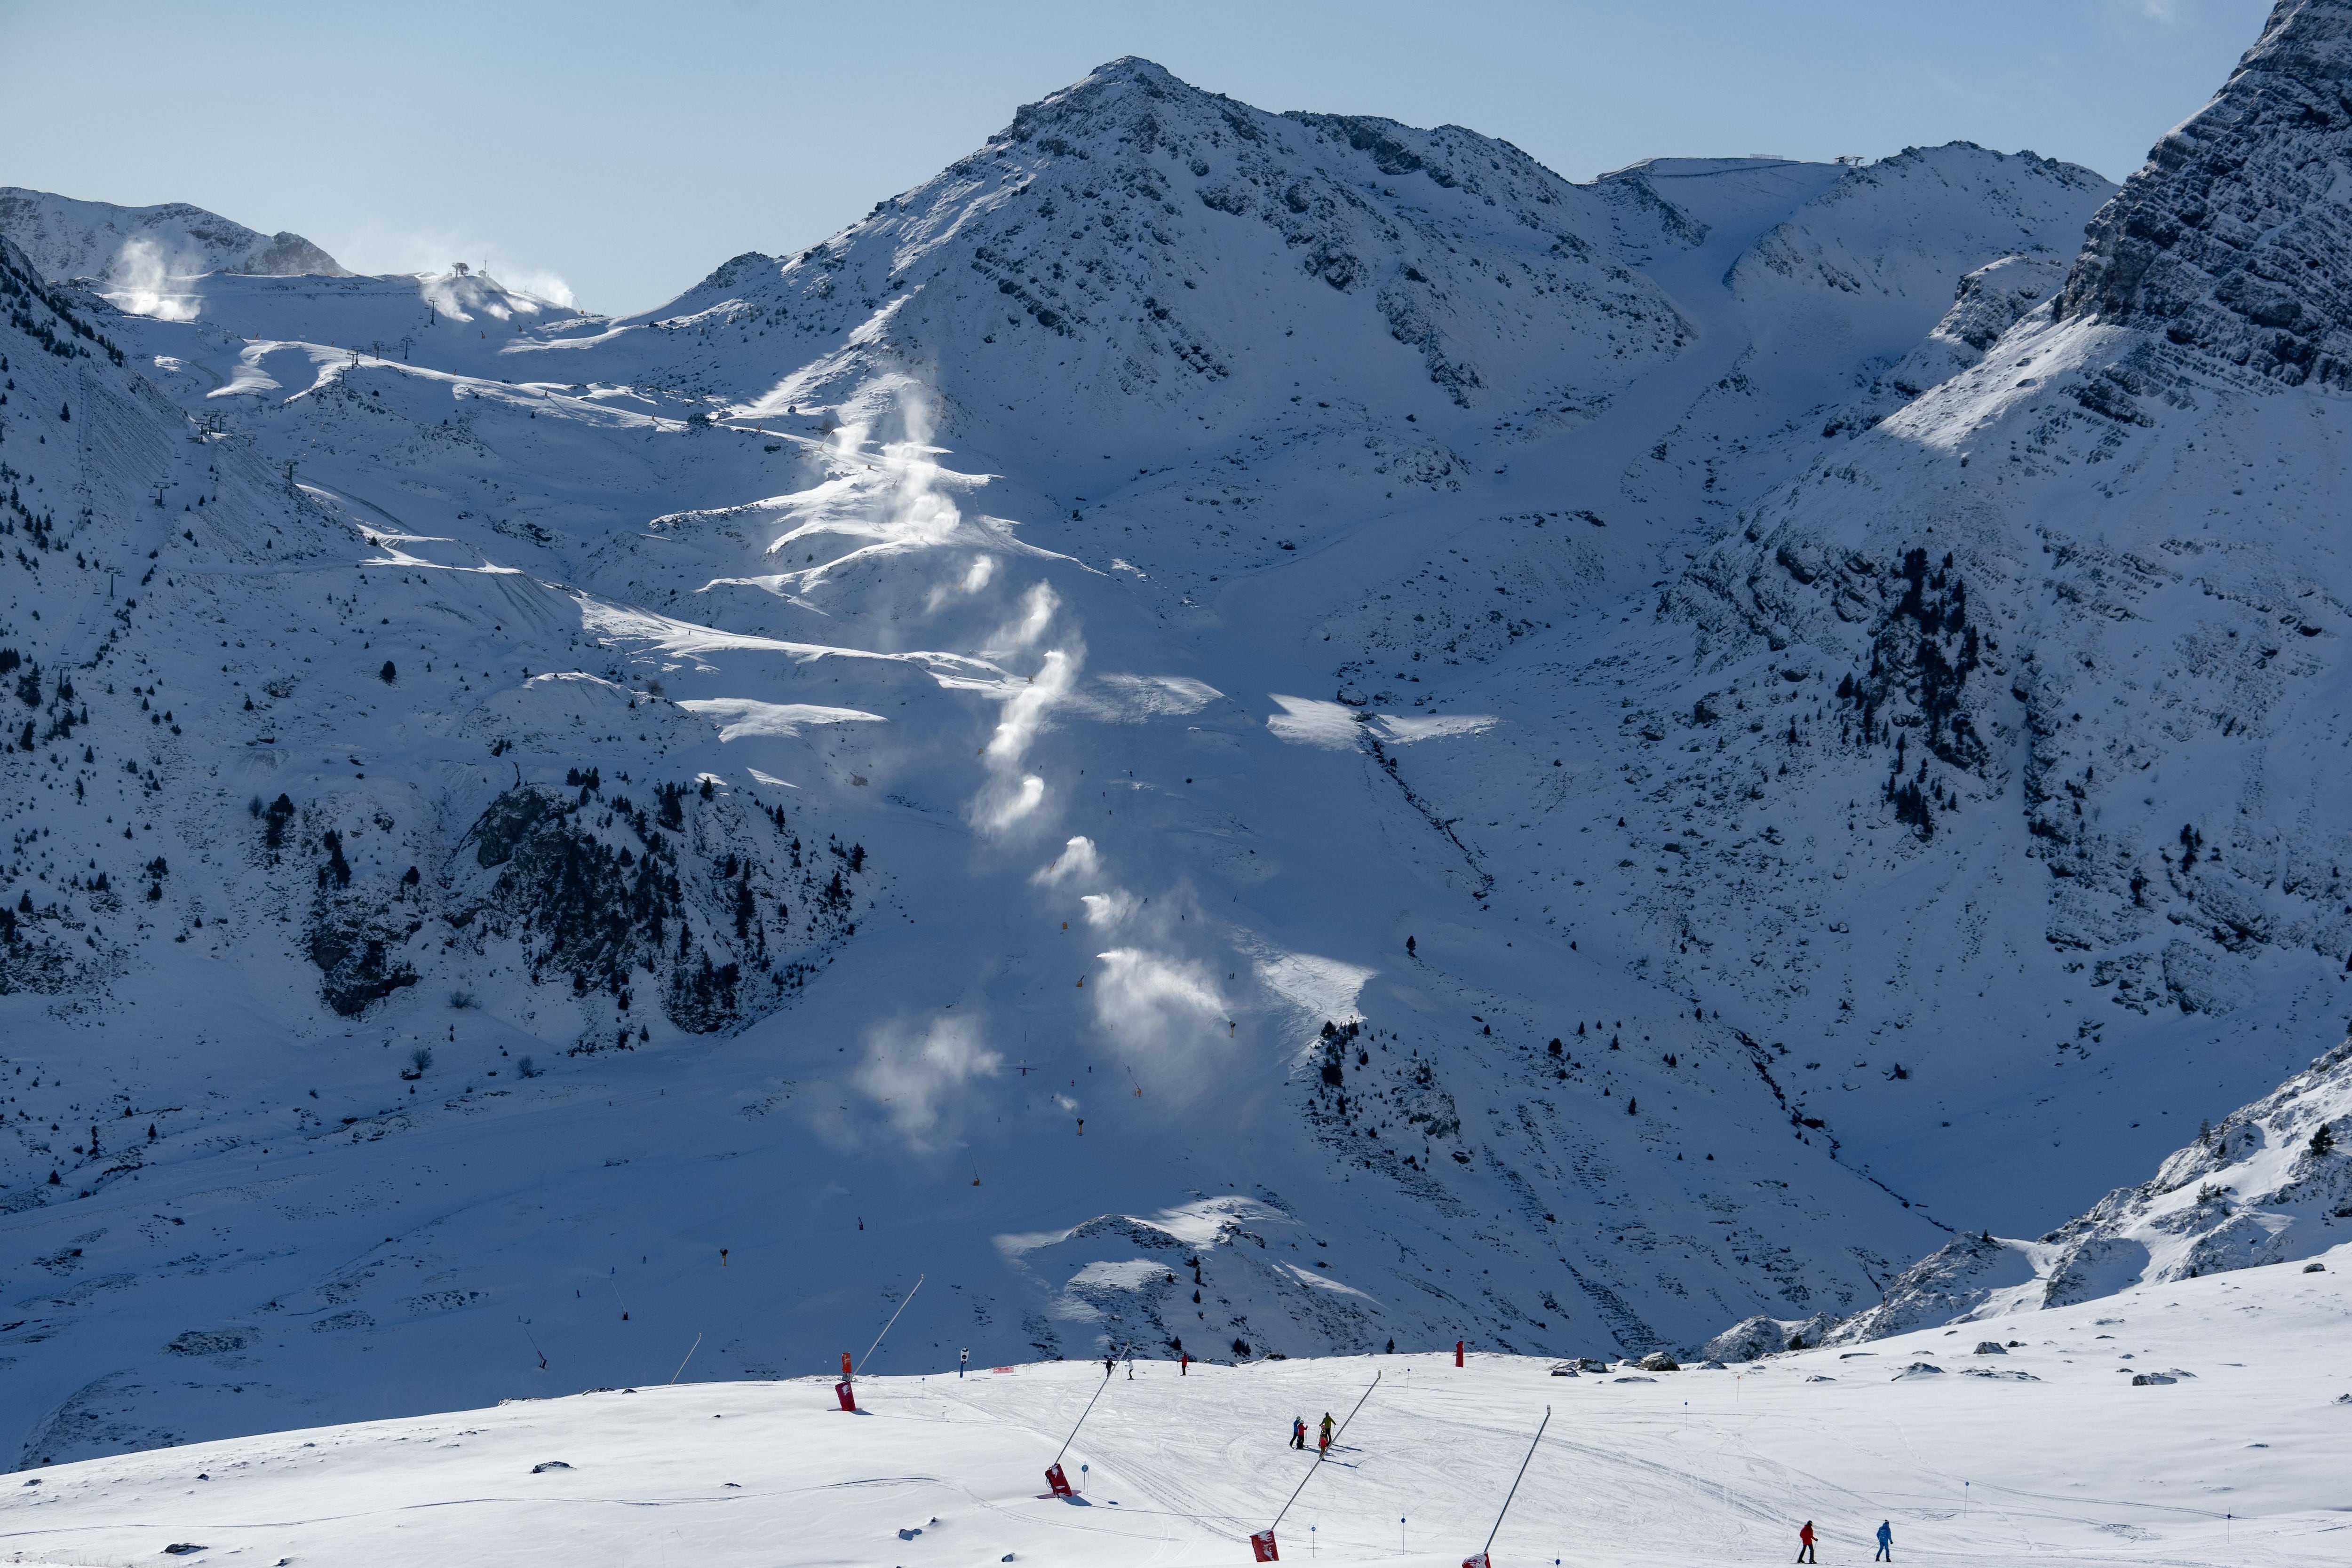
(1885, 1542)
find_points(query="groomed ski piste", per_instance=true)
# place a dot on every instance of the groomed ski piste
(2198, 1422)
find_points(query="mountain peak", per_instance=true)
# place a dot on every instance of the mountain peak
(2231, 238)
(1127, 84)
(69, 238)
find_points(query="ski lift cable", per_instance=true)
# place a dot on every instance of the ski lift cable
(1515, 1482)
(1335, 1443)
(886, 1327)
(1083, 1414)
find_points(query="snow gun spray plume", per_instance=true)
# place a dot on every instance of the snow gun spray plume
(145, 283)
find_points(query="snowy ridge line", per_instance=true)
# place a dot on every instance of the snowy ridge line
(146, 251)
(2283, 1172)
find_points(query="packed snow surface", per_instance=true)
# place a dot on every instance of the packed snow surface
(2198, 1422)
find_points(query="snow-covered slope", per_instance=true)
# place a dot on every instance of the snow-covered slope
(633, 777)
(2198, 1422)
(1989, 769)
(2265, 1186)
(147, 258)
(688, 912)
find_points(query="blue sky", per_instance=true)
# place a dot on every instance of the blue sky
(626, 149)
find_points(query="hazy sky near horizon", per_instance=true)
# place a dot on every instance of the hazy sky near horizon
(622, 150)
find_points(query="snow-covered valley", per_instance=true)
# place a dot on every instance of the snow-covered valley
(1244, 732)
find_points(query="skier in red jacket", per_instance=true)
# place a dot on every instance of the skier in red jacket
(1805, 1546)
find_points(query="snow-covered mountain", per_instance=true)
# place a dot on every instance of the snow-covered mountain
(499, 788)
(147, 259)
(2265, 1186)
(1991, 763)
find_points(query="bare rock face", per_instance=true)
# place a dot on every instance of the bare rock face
(2232, 238)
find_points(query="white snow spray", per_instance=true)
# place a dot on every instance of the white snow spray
(914, 1075)
(145, 283)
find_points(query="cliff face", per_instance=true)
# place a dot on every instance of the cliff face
(2237, 237)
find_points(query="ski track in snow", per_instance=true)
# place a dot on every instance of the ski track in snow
(2071, 1461)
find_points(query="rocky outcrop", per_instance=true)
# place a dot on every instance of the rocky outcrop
(1752, 1339)
(2235, 236)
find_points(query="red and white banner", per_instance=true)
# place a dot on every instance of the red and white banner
(847, 1395)
(1262, 1548)
(1058, 1481)
(1477, 1562)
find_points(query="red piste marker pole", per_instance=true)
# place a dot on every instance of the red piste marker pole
(1457, 1353)
(845, 1391)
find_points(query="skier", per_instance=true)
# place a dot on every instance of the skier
(962, 1361)
(1324, 1447)
(1111, 1365)
(1885, 1542)
(1805, 1548)
(1299, 1433)
(1185, 1365)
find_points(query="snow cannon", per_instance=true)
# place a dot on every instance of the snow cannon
(1262, 1548)
(1056, 1479)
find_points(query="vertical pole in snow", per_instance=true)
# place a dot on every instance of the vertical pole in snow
(1457, 1353)
(1515, 1480)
